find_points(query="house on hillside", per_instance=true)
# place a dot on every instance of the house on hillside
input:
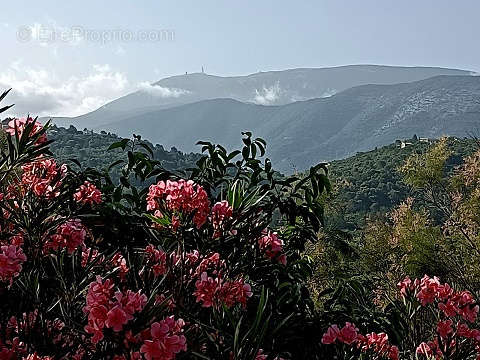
(403, 143)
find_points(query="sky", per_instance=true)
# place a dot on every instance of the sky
(70, 57)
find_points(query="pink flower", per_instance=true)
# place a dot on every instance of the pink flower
(234, 292)
(21, 124)
(424, 349)
(166, 340)
(272, 246)
(393, 353)
(428, 290)
(405, 286)
(69, 235)
(331, 335)
(88, 194)
(43, 177)
(119, 262)
(180, 196)
(131, 302)
(206, 288)
(157, 260)
(11, 260)
(449, 308)
(221, 212)
(116, 318)
(105, 309)
(348, 334)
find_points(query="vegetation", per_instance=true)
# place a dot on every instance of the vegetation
(90, 149)
(229, 260)
(370, 182)
(211, 266)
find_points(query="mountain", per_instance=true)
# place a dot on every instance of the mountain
(263, 88)
(305, 132)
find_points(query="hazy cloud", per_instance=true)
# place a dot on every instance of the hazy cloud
(40, 92)
(268, 95)
(160, 91)
(328, 93)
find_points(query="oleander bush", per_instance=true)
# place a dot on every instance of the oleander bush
(206, 264)
(229, 259)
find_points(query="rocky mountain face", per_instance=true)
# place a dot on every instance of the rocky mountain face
(302, 133)
(262, 88)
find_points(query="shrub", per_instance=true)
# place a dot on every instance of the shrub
(207, 263)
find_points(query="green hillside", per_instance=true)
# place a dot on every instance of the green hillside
(369, 182)
(90, 148)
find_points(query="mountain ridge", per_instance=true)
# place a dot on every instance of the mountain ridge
(357, 119)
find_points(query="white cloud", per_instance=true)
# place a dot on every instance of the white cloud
(268, 96)
(328, 93)
(161, 91)
(40, 92)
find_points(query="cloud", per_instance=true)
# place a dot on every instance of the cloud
(268, 96)
(328, 93)
(41, 92)
(160, 91)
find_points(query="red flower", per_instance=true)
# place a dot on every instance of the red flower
(21, 124)
(331, 335)
(88, 194)
(116, 318)
(69, 235)
(221, 212)
(11, 260)
(272, 246)
(348, 334)
(180, 196)
(166, 340)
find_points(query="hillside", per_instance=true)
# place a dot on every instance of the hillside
(263, 88)
(90, 149)
(304, 133)
(365, 183)
(369, 183)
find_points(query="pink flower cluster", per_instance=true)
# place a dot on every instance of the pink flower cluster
(213, 292)
(119, 262)
(450, 304)
(69, 235)
(156, 260)
(43, 177)
(21, 123)
(11, 260)
(179, 196)
(429, 290)
(88, 194)
(108, 309)
(221, 212)
(272, 246)
(165, 341)
(376, 343)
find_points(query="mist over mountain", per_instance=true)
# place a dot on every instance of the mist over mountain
(303, 133)
(389, 103)
(263, 88)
